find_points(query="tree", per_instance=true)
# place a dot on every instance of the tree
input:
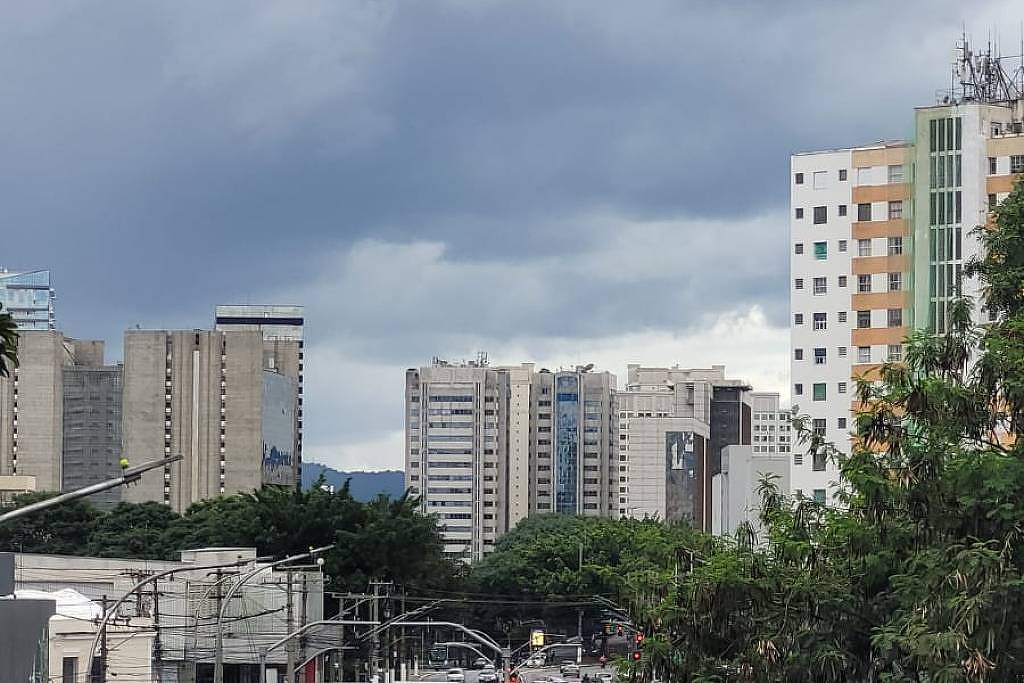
(59, 530)
(135, 530)
(920, 576)
(8, 343)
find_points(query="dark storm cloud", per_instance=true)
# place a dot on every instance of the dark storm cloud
(596, 167)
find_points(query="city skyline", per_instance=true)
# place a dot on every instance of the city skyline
(626, 205)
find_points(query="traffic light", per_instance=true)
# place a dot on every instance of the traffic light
(618, 630)
(639, 639)
(636, 656)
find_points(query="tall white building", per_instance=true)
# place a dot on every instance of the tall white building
(28, 296)
(879, 236)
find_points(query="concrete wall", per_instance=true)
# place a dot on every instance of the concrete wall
(736, 487)
(92, 427)
(23, 638)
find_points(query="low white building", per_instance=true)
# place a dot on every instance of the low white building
(72, 629)
(735, 489)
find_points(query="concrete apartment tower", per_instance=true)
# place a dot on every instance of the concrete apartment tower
(283, 349)
(48, 429)
(879, 237)
(28, 296)
(206, 395)
(673, 425)
(456, 459)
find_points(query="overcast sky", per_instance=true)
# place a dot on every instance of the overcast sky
(555, 181)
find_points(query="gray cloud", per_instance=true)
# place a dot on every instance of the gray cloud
(599, 167)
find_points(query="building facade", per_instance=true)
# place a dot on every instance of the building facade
(282, 328)
(207, 396)
(673, 424)
(91, 425)
(879, 238)
(28, 296)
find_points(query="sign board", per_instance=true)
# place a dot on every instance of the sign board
(537, 638)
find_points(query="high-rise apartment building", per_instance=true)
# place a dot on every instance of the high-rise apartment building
(51, 426)
(92, 422)
(673, 425)
(771, 428)
(208, 396)
(456, 455)
(487, 446)
(283, 350)
(879, 237)
(28, 296)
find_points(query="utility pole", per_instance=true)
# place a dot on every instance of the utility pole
(374, 639)
(302, 621)
(103, 646)
(157, 645)
(290, 622)
(341, 637)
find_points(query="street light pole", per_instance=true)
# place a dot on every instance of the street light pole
(218, 667)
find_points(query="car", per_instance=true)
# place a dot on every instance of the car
(488, 675)
(455, 676)
(605, 677)
(569, 670)
(482, 663)
(535, 661)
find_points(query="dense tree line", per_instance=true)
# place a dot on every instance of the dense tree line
(385, 538)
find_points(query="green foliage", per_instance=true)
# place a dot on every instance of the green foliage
(60, 530)
(8, 343)
(386, 539)
(920, 576)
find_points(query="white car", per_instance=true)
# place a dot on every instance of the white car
(604, 677)
(535, 662)
(455, 676)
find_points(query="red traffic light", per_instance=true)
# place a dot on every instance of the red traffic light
(619, 630)
(639, 638)
(636, 656)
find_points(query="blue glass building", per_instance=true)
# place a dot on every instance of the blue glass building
(28, 297)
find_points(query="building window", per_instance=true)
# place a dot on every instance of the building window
(798, 318)
(863, 283)
(819, 495)
(798, 354)
(992, 166)
(896, 174)
(864, 176)
(895, 246)
(864, 212)
(799, 178)
(820, 215)
(863, 247)
(798, 283)
(798, 389)
(863, 319)
(818, 180)
(842, 209)
(842, 352)
(818, 391)
(799, 213)
(895, 210)
(820, 321)
(842, 280)
(798, 248)
(992, 202)
(1017, 163)
(895, 353)
(819, 356)
(841, 316)
(895, 282)
(69, 670)
(863, 354)
(841, 387)
(895, 317)
(819, 286)
(841, 422)
(842, 174)
(821, 250)
(842, 245)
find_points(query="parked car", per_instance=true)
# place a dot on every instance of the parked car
(455, 676)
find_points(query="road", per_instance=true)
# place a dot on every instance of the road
(527, 675)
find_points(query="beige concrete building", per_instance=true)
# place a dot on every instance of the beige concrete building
(205, 394)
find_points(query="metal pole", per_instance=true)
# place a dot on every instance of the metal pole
(263, 664)
(103, 646)
(290, 625)
(374, 616)
(128, 476)
(218, 666)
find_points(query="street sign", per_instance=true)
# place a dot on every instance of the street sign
(537, 638)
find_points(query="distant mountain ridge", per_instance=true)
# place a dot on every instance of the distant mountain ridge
(364, 486)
